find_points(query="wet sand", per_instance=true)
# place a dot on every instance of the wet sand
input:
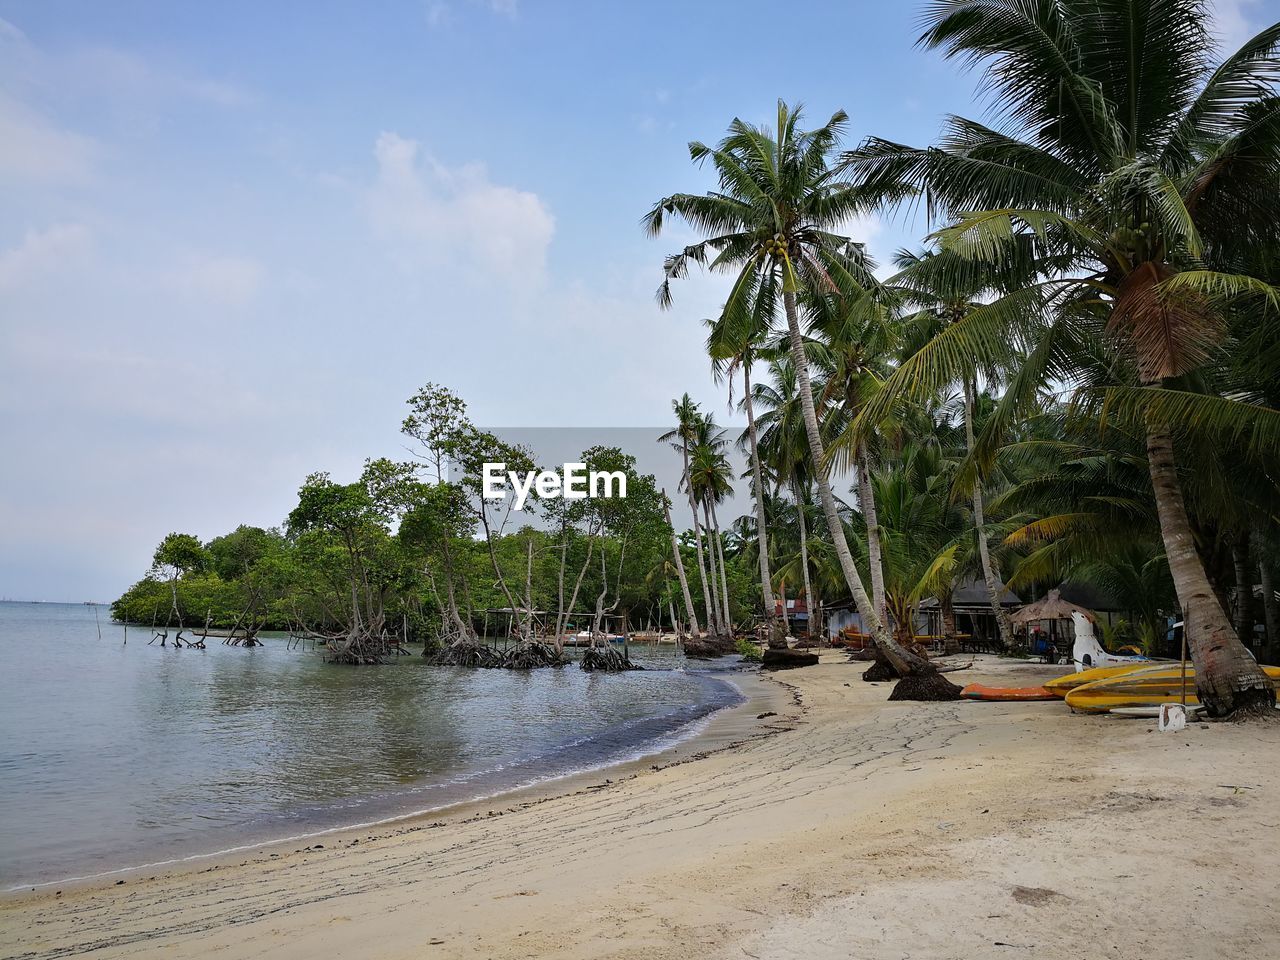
(843, 826)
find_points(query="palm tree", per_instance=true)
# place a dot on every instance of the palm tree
(945, 287)
(786, 448)
(732, 346)
(687, 418)
(710, 477)
(679, 562)
(1140, 178)
(859, 343)
(773, 222)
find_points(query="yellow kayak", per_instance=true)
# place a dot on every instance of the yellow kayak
(1145, 687)
(1064, 684)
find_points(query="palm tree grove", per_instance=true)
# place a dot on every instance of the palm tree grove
(640, 481)
(1074, 375)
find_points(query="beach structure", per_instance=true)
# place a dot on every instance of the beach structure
(1041, 619)
(975, 622)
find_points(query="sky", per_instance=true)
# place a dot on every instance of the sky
(236, 237)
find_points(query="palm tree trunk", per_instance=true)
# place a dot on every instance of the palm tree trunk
(724, 576)
(994, 591)
(804, 561)
(1227, 678)
(946, 604)
(1244, 588)
(867, 500)
(712, 626)
(903, 662)
(777, 631)
(1270, 608)
(713, 568)
(684, 581)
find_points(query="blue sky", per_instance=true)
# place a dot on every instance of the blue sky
(234, 237)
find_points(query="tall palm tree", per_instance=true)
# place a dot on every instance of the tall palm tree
(1140, 176)
(773, 223)
(859, 342)
(785, 445)
(710, 477)
(733, 345)
(945, 287)
(684, 580)
(682, 437)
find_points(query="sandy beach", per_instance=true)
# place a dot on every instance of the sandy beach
(841, 826)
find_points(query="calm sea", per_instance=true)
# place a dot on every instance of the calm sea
(116, 754)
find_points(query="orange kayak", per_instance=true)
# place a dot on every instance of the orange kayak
(980, 691)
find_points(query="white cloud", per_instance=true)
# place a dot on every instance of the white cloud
(9, 33)
(443, 221)
(1233, 22)
(225, 280)
(438, 13)
(40, 252)
(37, 150)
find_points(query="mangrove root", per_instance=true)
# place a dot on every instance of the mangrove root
(607, 659)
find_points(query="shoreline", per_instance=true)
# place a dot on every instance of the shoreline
(717, 730)
(853, 827)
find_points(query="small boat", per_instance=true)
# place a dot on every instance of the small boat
(1061, 686)
(980, 691)
(1146, 687)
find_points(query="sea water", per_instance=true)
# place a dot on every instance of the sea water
(116, 754)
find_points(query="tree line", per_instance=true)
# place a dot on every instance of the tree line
(1096, 309)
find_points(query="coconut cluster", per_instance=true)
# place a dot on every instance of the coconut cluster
(1133, 239)
(775, 246)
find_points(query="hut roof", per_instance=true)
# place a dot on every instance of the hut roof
(1050, 607)
(972, 592)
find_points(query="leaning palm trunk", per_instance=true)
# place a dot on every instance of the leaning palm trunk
(777, 629)
(994, 593)
(712, 626)
(867, 500)
(905, 663)
(1227, 678)
(684, 581)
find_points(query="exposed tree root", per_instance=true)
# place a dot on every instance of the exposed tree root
(467, 653)
(927, 687)
(531, 655)
(360, 648)
(787, 659)
(880, 671)
(608, 659)
(1252, 706)
(707, 647)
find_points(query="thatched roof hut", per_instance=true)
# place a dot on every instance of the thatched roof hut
(1051, 607)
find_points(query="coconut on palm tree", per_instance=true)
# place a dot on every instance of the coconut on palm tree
(1139, 175)
(774, 224)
